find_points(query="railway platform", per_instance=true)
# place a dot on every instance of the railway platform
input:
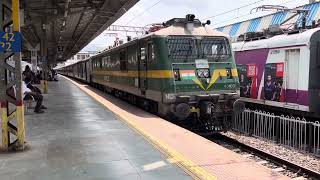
(87, 134)
(77, 138)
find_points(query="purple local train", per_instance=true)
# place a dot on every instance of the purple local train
(282, 71)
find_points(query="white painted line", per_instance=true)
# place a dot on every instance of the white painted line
(154, 165)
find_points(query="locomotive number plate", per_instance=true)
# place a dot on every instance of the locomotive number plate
(202, 64)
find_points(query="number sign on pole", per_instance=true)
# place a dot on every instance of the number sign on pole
(10, 42)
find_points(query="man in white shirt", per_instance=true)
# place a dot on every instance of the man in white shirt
(25, 89)
(29, 95)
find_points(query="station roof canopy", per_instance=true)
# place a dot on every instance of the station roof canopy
(260, 23)
(68, 25)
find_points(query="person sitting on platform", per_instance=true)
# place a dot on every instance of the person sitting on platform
(30, 86)
(28, 94)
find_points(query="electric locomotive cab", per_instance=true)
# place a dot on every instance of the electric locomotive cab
(205, 79)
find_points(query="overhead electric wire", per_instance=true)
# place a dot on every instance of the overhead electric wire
(236, 9)
(248, 14)
(147, 9)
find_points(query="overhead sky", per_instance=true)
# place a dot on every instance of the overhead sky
(157, 11)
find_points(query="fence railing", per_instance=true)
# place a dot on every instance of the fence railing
(293, 132)
(241, 123)
(264, 125)
(288, 131)
(316, 139)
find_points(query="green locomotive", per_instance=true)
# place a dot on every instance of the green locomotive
(182, 70)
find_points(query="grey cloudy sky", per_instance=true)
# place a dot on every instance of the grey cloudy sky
(157, 11)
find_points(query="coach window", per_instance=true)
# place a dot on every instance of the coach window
(150, 52)
(123, 61)
(100, 63)
(108, 61)
(97, 63)
(143, 55)
(103, 62)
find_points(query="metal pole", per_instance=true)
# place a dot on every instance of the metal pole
(34, 60)
(11, 36)
(17, 59)
(44, 59)
(3, 102)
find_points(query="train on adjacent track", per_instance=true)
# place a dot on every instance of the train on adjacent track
(183, 69)
(281, 72)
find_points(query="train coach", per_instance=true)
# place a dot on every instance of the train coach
(281, 72)
(81, 70)
(182, 70)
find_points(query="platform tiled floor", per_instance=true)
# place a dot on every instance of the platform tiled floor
(79, 139)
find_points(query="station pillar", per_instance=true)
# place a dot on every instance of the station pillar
(11, 98)
(34, 59)
(44, 58)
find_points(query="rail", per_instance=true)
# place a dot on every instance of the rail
(292, 132)
(306, 172)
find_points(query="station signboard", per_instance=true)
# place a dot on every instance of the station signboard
(10, 42)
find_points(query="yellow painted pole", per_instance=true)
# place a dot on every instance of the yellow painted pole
(19, 102)
(44, 85)
(4, 116)
(20, 126)
(45, 91)
(15, 15)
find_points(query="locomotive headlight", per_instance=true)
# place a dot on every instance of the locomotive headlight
(206, 73)
(229, 73)
(200, 73)
(203, 73)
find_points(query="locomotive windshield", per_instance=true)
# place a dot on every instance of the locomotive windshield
(191, 48)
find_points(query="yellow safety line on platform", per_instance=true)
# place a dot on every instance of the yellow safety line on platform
(190, 167)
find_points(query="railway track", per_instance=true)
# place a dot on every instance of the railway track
(277, 164)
